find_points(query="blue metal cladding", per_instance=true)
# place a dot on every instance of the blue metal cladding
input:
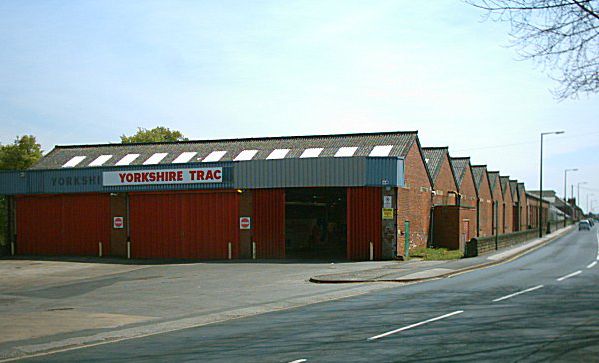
(256, 174)
(13, 182)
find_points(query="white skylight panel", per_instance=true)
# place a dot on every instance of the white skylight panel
(184, 157)
(381, 150)
(345, 152)
(311, 153)
(246, 155)
(278, 154)
(127, 159)
(100, 160)
(214, 156)
(73, 162)
(155, 159)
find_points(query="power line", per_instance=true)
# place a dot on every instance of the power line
(527, 142)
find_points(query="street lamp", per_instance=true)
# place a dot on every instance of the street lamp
(588, 200)
(541, 180)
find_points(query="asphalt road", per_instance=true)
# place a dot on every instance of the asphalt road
(541, 307)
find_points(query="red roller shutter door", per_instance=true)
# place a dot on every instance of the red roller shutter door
(69, 224)
(184, 224)
(269, 222)
(363, 222)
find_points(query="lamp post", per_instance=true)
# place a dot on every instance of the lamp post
(541, 180)
(566, 194)
(588, 200)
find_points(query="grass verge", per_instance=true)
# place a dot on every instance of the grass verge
(435, 254)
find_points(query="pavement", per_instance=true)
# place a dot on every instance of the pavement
(53, 305)
(418, 270)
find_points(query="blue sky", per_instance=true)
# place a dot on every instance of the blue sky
(88, 71)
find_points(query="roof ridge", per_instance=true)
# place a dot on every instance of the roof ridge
(241, 139)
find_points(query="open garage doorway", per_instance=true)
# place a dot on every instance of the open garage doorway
(316, 223)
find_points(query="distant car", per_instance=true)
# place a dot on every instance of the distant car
(584, 226)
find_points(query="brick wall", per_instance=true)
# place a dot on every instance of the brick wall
(509, 210)
(485, 213)
(498, 198)
(444, 184)
(469, 199)
(414, 201)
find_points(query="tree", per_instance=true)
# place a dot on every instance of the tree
(157, 134)
(21, 154)
(561, 35)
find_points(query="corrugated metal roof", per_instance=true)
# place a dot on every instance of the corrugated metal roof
(365, 143)
(459, 166)
(478, 171)
(434, 157)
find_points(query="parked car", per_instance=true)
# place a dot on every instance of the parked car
(584, 226)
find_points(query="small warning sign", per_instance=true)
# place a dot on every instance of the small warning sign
(245, 223)
(387, 213)
(118, 222)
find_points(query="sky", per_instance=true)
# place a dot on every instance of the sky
(79, 72)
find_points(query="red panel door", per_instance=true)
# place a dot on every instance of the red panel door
(184, 224)
(68, 224)
(269, 222)
(363, 222)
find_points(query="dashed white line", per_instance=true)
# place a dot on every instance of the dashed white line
(415, 325)
(570, 275)
(592, 264)
(518, 293)
(299, 361)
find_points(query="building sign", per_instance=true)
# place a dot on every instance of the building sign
(387, 201)
(163, 176)
(118, 222)
(245, 223)
(387, 213)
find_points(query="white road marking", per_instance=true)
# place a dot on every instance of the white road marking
(415, 325)
(299, 361)
(570, 275)
(518, 293)
(592, 264)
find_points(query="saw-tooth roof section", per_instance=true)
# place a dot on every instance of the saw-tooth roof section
(298, 145)
(74, 161)
(514, 189)
(434, 157)
(459, 166)
(493, 178)
(505, 182)
(478, 171)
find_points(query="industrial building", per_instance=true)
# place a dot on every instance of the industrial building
(326, 196)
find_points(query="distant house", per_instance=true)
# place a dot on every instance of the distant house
(508, 204)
